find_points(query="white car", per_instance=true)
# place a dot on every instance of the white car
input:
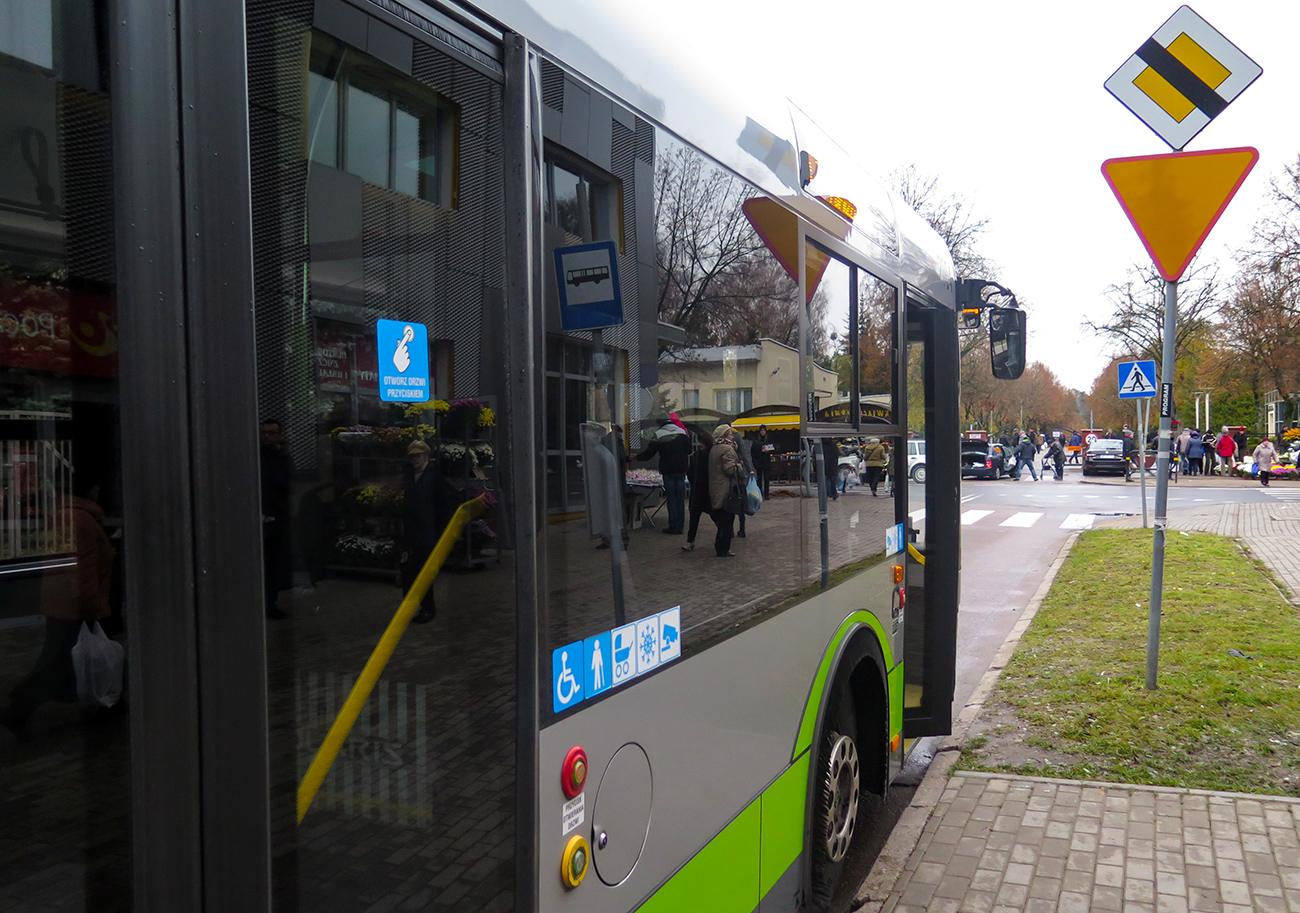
(916, 461)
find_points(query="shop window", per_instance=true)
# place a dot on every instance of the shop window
(364, 122)
(584, 202)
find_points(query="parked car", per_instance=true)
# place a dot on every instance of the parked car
(1105, 455)
(916, 461)
(985, 459)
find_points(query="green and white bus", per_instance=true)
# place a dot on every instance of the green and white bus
(361, 363)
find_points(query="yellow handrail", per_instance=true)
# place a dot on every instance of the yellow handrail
(342, 726)
(915, 553)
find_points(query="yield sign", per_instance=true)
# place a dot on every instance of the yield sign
(1173, 200)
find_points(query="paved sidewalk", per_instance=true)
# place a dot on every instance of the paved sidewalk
(992, 843)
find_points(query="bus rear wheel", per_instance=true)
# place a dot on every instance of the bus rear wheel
(839, 786)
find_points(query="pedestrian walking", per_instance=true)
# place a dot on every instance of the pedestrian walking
(1195, 453)
(725, 471)
(673, 447)
(1265, 456)
(763, 449)
(1226, 448)
(1056, 453)
(697, 472)
(876, 459)
(1026, 453)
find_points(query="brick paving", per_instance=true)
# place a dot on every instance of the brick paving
(994, 843)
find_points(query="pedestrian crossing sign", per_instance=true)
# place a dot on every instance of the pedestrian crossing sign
(1137, 379)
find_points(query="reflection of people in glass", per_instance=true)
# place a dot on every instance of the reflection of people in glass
(725, 471)
(426, 508)
(277, 474)
(613, 441)
(673, 445)
(763, 448)
(68, 597)
(698, 473)
(744, 450)
(876, 460)
(830, 466)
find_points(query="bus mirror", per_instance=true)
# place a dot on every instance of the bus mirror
(969, 319)
(1007, 342)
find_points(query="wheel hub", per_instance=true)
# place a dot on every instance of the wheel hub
(841, 792)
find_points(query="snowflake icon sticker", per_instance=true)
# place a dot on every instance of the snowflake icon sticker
(647, 644)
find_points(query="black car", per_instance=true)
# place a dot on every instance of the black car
(985, 459)
(1106, 455)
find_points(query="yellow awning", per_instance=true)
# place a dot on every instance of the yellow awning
(773, 422)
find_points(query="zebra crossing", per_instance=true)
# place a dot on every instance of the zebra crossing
(1287, 493)
(1025, 519)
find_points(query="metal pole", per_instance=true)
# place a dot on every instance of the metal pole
(1162, 486)
(1142, 453)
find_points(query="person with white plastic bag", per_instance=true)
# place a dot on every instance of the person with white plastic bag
(73, 599)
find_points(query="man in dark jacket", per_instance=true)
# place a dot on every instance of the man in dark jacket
(673, 446)
(1025, 453)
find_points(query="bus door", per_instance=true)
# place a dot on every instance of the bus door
(927, 463)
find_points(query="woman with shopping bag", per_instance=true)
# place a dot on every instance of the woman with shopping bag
(69, 599)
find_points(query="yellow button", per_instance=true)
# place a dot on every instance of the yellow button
(573, 867)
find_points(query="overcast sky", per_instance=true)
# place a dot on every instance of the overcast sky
(1003, 101)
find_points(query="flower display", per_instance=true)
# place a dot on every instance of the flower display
(368, 550)
(487, 418)
(436, 406)
(650, 478)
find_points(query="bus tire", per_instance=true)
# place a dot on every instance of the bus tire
(838, 785)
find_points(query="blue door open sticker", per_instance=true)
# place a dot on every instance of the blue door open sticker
(403, 361)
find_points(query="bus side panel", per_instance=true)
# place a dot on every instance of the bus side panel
(718, 729)
(723, 877)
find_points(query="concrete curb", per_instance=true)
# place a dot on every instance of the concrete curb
(884, 874)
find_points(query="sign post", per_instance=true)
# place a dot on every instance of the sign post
(1137, 381)
(1180, 79)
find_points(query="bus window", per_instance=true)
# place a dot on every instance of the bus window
(850, 375)
(366, 223)
(708, 341)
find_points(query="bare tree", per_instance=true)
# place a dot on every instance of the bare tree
(949, 214)
(1136, 328)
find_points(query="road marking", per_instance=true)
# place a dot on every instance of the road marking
(1092, 497)
(1078, 521)
(1023, 519)
(973, 516)
(917, 515)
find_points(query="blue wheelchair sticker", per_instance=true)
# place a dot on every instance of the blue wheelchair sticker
(566, 676)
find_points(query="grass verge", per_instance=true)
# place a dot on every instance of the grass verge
(1073, 703)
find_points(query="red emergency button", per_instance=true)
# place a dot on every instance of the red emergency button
(573, 776)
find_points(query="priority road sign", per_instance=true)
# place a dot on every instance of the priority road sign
(1174, 199)
(1182, 77)
(1137, 379)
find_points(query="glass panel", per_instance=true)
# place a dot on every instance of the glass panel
(877, 304)
(564, 198)
(652, 406)
(911, 462)
(323, 119)
(367, 136)
(65, 789)
(410, 162)
(357, 489)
